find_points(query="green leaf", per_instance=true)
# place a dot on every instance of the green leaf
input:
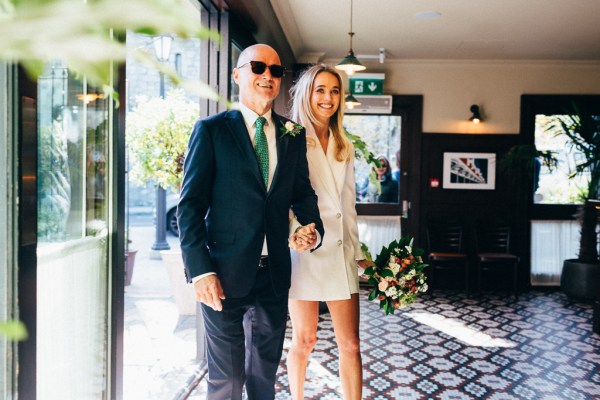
(82, 34)
(390, 306)
(361, 149)
(383, 257)
(386, 273)
(14, 330)
(365, 250)
(373, 294)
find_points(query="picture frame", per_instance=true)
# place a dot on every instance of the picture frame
(475, 171)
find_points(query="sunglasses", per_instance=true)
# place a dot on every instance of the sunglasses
(259, 67)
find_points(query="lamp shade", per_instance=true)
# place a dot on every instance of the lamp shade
(476, 117)
(162, 47)
(351, 101)
(350, 64)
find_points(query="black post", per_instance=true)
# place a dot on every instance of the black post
(161, 216)
(161, 202)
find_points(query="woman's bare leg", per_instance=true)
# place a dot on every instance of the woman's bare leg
(305, 318)
(345, 316)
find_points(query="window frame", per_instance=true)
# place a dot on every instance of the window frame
(532, 105)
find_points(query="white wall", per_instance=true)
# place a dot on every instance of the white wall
(450, 87)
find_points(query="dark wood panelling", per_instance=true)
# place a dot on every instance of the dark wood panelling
(472, 207)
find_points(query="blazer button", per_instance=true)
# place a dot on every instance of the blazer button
(338, 215)
(339, 242)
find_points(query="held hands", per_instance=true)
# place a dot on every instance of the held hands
(209, 291)
(304, 238)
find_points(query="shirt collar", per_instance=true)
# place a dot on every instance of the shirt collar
(250, 116)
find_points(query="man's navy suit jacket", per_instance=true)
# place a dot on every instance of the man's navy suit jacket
(225, 211)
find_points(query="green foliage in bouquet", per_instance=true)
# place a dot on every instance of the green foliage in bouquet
(398, 276)
(365, 250)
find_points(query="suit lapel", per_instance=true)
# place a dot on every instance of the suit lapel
(237, 127)
(282, 145)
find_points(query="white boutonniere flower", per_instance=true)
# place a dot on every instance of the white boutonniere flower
(291, 129)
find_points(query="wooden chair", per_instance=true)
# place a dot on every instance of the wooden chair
(492, 246)
(445, 250)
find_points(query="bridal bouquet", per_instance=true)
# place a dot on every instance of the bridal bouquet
(398, 275)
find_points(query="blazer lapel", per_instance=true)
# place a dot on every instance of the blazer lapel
(237, 127)
(320, 164)
(338, 169)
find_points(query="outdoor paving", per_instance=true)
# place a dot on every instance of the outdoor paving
(159, 344)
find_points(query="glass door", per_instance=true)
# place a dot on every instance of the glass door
(74, 125)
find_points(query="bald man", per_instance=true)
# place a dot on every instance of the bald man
(233, 221)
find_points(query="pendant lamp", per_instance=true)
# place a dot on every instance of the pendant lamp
(350, 63)
(351, 101)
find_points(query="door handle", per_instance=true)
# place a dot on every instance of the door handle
(405, 208)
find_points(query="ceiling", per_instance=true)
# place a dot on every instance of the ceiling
(466, 30)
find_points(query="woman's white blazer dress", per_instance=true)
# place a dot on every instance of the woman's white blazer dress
(330, 272)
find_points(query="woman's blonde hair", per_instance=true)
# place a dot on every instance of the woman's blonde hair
(303, 114)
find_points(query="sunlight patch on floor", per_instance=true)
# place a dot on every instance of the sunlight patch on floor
(459, 330)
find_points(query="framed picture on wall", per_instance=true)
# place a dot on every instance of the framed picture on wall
(469, 171)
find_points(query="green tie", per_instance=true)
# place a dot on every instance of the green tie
(262, 149)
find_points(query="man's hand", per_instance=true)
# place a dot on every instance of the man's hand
(304, 238)
(209, 291)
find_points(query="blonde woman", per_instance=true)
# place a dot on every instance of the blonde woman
(329, 274)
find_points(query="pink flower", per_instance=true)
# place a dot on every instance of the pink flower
(383, 285)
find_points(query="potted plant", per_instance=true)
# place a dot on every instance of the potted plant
(158, 131)
(580, 277)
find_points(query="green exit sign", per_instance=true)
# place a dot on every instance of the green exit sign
(367, 84)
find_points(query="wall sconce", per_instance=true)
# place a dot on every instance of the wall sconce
(476, 117)
(351, 101)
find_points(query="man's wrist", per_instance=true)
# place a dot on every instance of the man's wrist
(197, 278)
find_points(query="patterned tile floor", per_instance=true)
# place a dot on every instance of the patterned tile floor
(448, 346)
(538, 345)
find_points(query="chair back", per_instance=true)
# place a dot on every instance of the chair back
(492, 238)
(444, 237)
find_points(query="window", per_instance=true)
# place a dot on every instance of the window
(554, 196)
(74, 131)
(555, 187)
(382, 135)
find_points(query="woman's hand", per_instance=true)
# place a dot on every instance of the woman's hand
(304, 238)
(363, 265)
